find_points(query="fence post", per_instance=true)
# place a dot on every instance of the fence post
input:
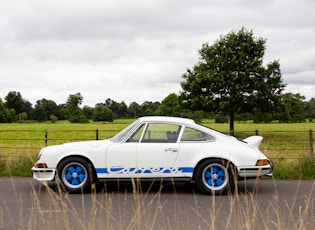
(311, 144)
(46, 137)
(96, 134)
(256, 132)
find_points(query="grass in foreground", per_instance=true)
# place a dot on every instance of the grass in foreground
(151, 207)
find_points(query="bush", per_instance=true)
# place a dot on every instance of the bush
(197, 116)
(102, 113)
(262, 117)
(17, 166)
(307, 168)
(53, 118)
(304, 168)
(220, 118)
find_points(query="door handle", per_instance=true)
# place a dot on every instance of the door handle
(171, 150)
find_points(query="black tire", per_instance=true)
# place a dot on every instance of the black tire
(215, 177)
(76, 175)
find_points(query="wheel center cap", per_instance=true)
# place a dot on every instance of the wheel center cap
(74, 175)
(215, 176)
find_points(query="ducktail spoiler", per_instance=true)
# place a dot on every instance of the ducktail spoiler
(253, 141)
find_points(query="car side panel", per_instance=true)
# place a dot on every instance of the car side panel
(121, 160)
(192, 153)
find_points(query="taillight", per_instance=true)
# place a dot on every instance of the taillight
(41, 166)
(262, 162)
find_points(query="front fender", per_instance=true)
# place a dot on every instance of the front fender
(74, 154)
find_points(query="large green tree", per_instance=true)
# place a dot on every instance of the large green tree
(149, 108)
(119, 109)
(75, 114)
(293, 108)
(102, 113)
(135, 110)
(170, 106)
(230, 77)
(15, 101)
(44, 109)
(6, 115)
(310, 109)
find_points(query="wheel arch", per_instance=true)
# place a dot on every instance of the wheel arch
(77, 156)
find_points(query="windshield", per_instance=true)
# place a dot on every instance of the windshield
(122, 134)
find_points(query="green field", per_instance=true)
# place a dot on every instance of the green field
(285, 144)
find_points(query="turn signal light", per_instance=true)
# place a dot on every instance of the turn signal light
(262, 162)
(41, 166)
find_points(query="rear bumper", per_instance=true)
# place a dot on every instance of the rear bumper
(255, 171)
(43, 174)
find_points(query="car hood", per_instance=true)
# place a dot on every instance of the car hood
(80, 146)
(84, 144)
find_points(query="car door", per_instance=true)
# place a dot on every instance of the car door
(121, 158)
(157, 150)
(150, 152)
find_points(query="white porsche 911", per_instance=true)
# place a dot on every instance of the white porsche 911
(156, 148)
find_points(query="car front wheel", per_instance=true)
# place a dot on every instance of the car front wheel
(214, 176)
(76, 175)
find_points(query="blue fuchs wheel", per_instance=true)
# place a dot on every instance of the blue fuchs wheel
(74, 175)
(215, 176)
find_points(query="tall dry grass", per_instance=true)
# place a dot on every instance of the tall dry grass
(160, 206)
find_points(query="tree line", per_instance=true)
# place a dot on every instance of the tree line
(229, 83)
(15, 108)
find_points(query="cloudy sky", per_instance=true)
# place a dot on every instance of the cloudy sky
(137, 50)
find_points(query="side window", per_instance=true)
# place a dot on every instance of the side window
(161, 133)
(136, 135)
(196, 135)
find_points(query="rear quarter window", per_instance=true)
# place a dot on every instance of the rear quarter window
(194, 135)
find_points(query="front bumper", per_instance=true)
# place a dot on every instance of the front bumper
(43, 174)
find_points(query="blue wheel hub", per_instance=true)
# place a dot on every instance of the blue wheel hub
(74, 175)
(215, 176)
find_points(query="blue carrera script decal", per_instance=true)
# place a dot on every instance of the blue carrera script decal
(121, 170)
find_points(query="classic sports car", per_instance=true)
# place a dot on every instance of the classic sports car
(156, 148)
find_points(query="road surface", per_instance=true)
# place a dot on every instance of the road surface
(264, 204)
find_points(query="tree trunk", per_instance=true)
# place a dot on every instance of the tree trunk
(232, 123)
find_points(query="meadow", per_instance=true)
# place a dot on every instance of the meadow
(288, 145)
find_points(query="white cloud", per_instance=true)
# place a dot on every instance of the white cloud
(138, 50)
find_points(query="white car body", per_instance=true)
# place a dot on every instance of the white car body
(146, 149)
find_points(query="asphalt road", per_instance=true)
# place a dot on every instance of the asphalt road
(263, 204)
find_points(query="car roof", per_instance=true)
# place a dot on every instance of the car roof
(167, 119)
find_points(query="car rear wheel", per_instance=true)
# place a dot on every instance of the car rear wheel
(76, 175)
(214, 176)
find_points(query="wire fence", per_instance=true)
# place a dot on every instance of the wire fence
(285, 144)
(276, 144)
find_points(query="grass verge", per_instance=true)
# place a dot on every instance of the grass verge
(303, 168)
